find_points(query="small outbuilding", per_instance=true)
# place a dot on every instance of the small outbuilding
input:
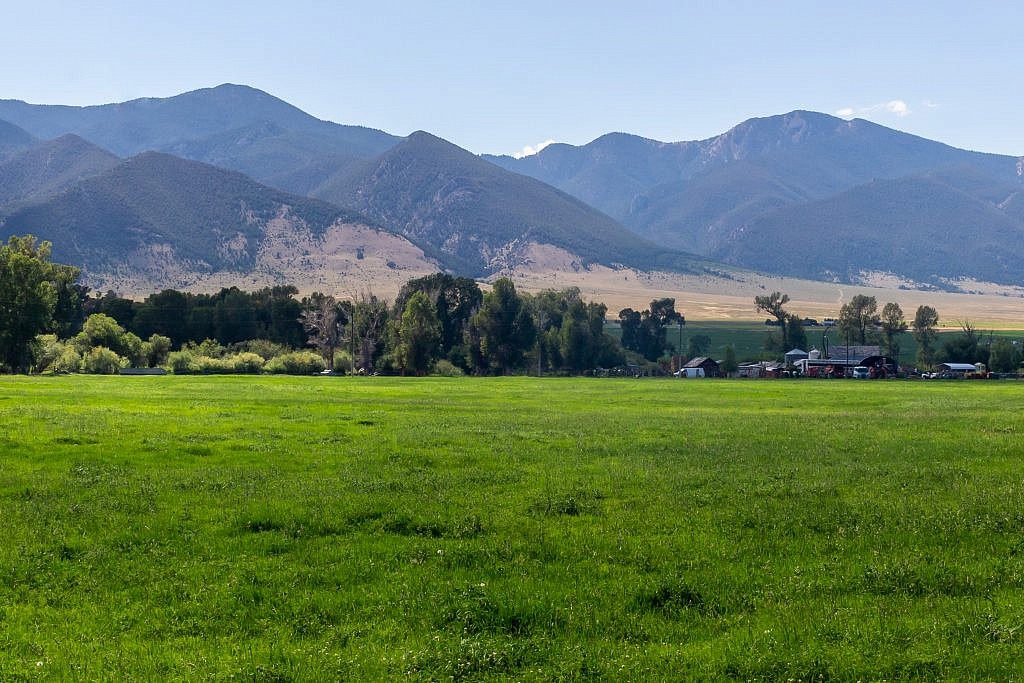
(852, 355)
(958, 369)
(751, 370)
(792, 357)
(708, 366)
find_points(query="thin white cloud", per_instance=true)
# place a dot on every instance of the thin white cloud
(896, 107)
(928, 104)
(530, 150)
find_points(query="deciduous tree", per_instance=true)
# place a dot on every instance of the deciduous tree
(324, 321)
(504, 328)
(729, 365)
(926, 319)
(29, 286)
(893, 325)
(1003, 356)
(857, 317)
(419, 334)
(773, 304)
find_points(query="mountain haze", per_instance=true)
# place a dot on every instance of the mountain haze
(13, 139)
(171, 222)
(803, 194)
(49, 167)
(925, 228)
(745, 196)
(233, 126)
(476, 216)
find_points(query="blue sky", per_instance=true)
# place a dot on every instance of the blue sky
(497, 77)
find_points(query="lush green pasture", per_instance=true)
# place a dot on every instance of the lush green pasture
(327, 528)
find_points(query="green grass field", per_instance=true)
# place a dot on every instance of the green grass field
(281, 529)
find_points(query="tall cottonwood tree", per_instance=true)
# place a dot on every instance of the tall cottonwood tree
(644, 332)
(29, 296)
(774, 305)
(926, 319)
(858, 317)
(323, 318)
(419, 335)
(893, 325)
(503, 329)
(368, 330)
(455, 299)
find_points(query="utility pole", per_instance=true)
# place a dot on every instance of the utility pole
(847, 368)
(541, 319)
(352, 334)
(681, 321)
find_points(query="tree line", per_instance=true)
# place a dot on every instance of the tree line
(860, 322)
(437, 322)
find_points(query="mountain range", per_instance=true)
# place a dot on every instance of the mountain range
(778, 194)
(210, 178)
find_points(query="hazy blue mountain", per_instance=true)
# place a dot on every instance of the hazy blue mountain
(946, 224)
(746, 196)
(727, 196)
(475, 215)
(13, 139)
(207, 216)
(49, 167)
(811, 153)
(231, 125)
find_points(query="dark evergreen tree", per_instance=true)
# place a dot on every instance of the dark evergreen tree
(504, 328)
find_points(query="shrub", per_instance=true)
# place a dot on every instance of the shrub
(247, 363)
(46, 350)
(156, 350)
(52, 355)
(445, 368)
(100, 330)
(181, 362)
(296, 363)
(102, 361)
(70, 361)
(210, 348)
(213, 366)
(342, 361)
(132, 348)
(264, 348)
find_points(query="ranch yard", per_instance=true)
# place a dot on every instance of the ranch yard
(278, 529)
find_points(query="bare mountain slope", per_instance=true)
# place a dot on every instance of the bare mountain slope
(478, 217)
(156, 220)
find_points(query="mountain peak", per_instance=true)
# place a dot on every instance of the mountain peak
(423, 137)
(424, 146)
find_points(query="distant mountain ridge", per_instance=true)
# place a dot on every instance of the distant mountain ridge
(730, 197)
(234, 126)
(616, 170)
(803, 193)
(49, 167)
(13, 139)
(174, 222)
(470, 216)
(478, 217)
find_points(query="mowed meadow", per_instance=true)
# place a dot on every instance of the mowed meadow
(270, 528)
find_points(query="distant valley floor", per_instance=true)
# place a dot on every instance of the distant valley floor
(710, 296)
